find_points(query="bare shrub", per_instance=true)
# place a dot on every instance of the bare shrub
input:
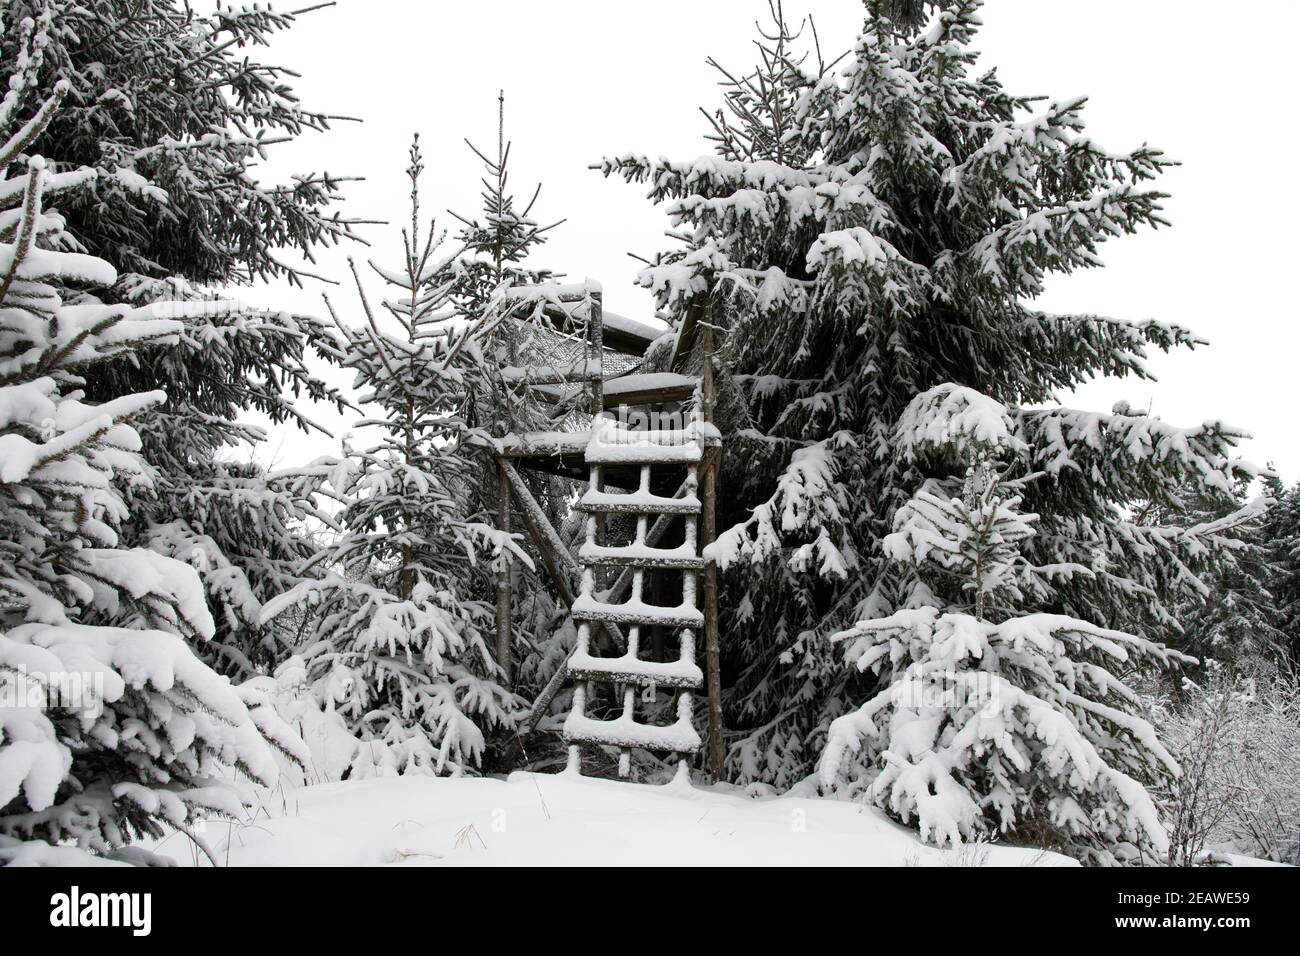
(1238, 741)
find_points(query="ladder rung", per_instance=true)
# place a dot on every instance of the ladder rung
(622, 670)
(644, 454)
(674, 738)
(587, 609)
(605, 503)
(641, 558)
(543, 444)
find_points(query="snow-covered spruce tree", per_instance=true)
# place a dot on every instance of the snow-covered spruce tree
(167, 108)
(497, 245)
(106, 733)
(1237, 739)
(867, 233)
(501, 237)
(986, 720)
(391, 606)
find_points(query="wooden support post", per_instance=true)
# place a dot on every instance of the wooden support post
(596, 335)
(543, 702)
(555, 556)
(503, 578)
(686, 335)
(708, 532)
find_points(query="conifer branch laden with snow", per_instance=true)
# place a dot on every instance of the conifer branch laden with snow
(165, 102)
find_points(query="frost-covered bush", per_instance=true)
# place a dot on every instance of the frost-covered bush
(315, 711)
(1238, 741)
(109, 726)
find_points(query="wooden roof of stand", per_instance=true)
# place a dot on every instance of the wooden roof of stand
(620, 334)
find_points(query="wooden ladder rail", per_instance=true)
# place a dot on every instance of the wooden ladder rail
(710, 468)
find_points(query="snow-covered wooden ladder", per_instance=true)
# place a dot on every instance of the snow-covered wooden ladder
(613, 444)
(649, 462)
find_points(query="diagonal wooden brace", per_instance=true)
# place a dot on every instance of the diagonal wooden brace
(561, 567)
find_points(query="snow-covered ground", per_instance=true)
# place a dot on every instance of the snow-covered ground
(538, 819)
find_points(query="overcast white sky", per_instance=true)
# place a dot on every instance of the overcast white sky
(1212, 86)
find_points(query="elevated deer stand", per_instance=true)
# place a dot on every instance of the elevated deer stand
(655, 482)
